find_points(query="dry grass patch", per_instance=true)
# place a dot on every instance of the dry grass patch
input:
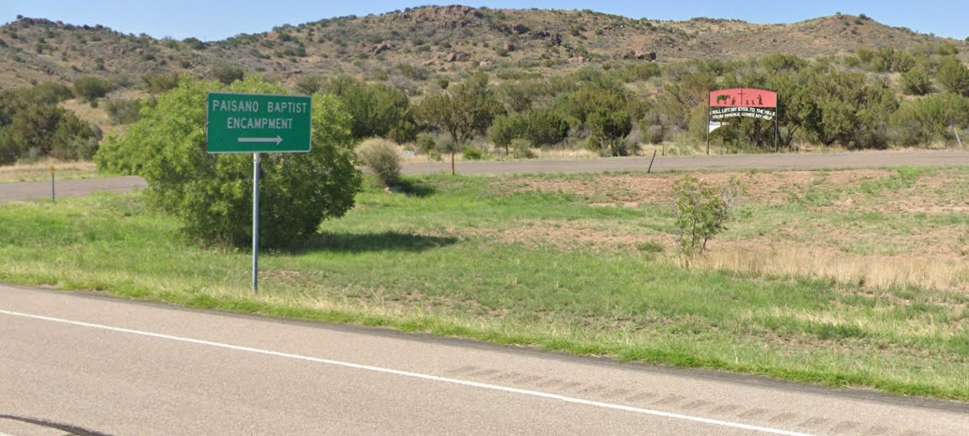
(872, 271)
(631, 190)
(568, 236)
(40, 171)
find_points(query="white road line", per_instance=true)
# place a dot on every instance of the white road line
(416, 375)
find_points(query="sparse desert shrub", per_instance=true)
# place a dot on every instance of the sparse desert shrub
(917, 81)
(701, 212)
(91, 88)
(954, 76)
(522, 149)
(123, 111)
(211, 194)
(473, 153)
(227, 74)
(425, 143)
(159, 83)
(381, 157)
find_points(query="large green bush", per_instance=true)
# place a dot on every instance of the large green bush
(34, 126)
(608, 131)
(376, 109)
(930, 119)
(545, 127)
(211, 194)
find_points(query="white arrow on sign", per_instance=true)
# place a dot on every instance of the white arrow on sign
(277, 140)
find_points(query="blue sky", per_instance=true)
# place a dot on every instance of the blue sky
(217, 19)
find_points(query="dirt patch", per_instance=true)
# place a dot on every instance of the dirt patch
(633, 190)
(570, 235)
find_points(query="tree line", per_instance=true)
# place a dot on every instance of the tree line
(872, 99)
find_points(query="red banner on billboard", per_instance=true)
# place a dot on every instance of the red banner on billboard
(743, 97)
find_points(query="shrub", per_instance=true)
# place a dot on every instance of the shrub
(91, 88)
(159, 83)
(473, 153)
(123, 111)
(929, 119)
(227, 73)
(522, 149)
(309, 84)
(425, 143)
(545, 127)
(608, 131)
(916, 81)
(954, 76)
(194, 43)
(376, 109)
(211, 194)
(381, 157)
(701, 213)
(48, 130)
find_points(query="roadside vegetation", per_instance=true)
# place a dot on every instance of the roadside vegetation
(873, 99)
(844, 278)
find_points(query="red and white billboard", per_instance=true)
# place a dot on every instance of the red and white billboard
(743, 97)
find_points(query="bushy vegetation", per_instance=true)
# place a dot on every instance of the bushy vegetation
(211, 194)
(701, 212)
(381, 157)
(32, 126)
(91, 89)
(376, 109)
(123, 111)
(869, 99)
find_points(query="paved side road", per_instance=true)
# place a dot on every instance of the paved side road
(68, 188)
(860, 159)
(866, 159)
(94, 365)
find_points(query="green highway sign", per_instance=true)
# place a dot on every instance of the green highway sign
(256, 123)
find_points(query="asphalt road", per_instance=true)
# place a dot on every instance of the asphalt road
(68, 188)
(76, 363)
(864, 159)
(859, 159)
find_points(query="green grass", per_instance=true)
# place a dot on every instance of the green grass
(430, 262)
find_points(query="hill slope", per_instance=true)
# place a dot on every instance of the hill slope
(412, 45)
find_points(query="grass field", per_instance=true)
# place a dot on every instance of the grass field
(845, 278)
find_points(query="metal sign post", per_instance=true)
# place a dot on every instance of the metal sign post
(255, 222)
(256, 123)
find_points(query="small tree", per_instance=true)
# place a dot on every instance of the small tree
(505, 129)
(701, 213)
(462, 111)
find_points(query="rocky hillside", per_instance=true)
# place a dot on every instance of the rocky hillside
(408, 47)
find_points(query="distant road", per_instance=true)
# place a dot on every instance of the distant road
(92, 365)
(68, 188)
(861, 159)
